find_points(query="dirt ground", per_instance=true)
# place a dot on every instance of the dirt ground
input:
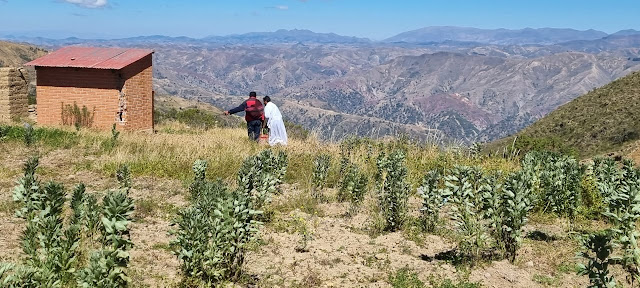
(340, 254)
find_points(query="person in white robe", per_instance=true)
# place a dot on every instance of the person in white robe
(277, 131)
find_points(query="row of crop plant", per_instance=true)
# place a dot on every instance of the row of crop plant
(489, 209)
(85, 248)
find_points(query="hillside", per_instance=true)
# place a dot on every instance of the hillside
(462, 90)
(191, 112)
(13, 54)
(466, 96)
(603, 120)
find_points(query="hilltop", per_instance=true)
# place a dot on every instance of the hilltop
(604, 120)
(14, 54)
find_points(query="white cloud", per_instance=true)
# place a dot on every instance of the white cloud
(279, 7)
(88, 3)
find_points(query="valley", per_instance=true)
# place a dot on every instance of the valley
(336, 86)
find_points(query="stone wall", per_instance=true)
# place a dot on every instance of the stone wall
(13, 94)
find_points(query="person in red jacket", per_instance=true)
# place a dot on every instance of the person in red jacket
(254, 114)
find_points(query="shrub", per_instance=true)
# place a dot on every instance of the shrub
(214, 231)
(557, 181)
(462, 189)
(393, 188)
(432, 200)
(621, 191)
(76, 116)
(296, 131)
(513, 212)
(624, 212)
(107, 267)
(321, 165)
(527, 144)
(52, 249)
(4, 131)
(27, 192)
(193, 117)
(353, 187)
(29, 135)
(112, 142)
(597, 250)
(260, 175)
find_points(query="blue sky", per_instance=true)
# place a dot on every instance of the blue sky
(376, 19)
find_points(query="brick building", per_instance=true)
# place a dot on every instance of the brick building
(114, 84)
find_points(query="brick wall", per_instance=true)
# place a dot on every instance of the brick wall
(138, 92)
(101, 91)
(13, 94)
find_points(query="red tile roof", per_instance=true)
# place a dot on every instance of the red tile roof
(91, 57)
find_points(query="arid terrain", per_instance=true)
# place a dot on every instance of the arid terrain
(343, 251)
(462, 89)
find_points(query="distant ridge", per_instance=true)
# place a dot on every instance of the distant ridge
(627, 32)
(542, 36)
(287, 36)
(279, 36)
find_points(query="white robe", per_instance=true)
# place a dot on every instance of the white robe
(277, 132)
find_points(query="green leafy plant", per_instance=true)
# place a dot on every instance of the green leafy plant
(4, 130)
(513, 213)
(27, 191)
(257, 181)
(353, 187)
(107, 267)
(29, 135)
(393, 188)
(462, 188)
(597, 250)
(304, 231)
(432, 200)
(214, 231)
(556, 182)
(405, 278)
(321, 165)
(51, 245)
(624, 212)
(112, 142)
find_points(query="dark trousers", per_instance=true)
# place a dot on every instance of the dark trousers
(253, 127)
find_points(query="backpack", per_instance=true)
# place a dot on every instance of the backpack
(254, 109)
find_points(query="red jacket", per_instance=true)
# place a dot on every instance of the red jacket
(253, 108)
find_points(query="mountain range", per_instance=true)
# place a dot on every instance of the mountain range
(433, 34)
(542, 36)
(458, 88)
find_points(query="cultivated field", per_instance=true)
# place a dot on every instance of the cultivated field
(386, 213)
